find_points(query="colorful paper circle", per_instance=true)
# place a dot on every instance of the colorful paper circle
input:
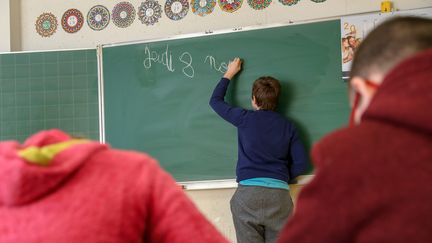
(72, 20)
(230, 5)
(203, 7)
(46, 24)
(123, 14)
(98, 17)
(259, 4)
(149, 12)
(289, 2)
(176, 9)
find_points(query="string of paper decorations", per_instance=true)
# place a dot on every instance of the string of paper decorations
(149, 12)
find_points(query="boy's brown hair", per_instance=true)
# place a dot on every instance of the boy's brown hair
(266, 91)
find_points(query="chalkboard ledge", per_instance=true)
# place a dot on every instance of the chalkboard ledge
(228, 183)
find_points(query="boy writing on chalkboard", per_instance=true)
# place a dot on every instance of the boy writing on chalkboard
(270, 153)
(373, 179)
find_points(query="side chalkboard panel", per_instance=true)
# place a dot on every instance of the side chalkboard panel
(156, 93)
(44, 90)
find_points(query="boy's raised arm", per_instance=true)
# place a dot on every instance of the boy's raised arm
(231, 114)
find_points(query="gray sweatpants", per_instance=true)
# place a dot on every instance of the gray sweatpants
(259, 213)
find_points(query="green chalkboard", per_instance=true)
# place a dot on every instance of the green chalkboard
(52, 89)
(157, 93)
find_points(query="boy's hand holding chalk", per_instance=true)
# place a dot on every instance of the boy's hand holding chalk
(233, 68)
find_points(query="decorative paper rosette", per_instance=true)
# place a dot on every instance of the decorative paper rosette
(46, 24)
(318, 1)
(230, 5)
(259, 4)
(176, 9)
(149, 12)
(98, 17)
(123, 14)
(203, 7)
(289, 2)
(72, 20)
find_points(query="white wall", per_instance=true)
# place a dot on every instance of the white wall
(245, 16)
(4, 26)
(213, 203)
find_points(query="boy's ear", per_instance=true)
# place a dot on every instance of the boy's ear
(254, 100)
(357, 85)
(360, 86)
(254, 103)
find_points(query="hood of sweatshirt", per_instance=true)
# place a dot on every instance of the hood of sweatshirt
(405, 96)
(30, 171)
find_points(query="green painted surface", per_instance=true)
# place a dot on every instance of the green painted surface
(156, 94)
(44, 90)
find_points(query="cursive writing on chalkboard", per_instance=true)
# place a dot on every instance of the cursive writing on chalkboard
(169, 61)
(188, 70)
(152, 56)
(222, 67)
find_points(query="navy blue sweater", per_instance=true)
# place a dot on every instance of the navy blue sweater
(268, 144)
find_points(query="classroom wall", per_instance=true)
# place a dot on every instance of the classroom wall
(214, 203)
(15, 25)
(4, 26)
(245, 16)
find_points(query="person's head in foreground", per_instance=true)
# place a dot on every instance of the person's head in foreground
(372, 179)
(54, 188)
(384, 48)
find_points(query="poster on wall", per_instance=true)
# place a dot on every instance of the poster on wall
(355, 28)
(46, 24)
(230, 6)
(72, 20)
(98, 17)
(176, 9)
(289, 2)
(123, 14)
(203, 7)
(149, 12)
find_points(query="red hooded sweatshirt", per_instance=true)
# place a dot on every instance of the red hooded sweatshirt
(57, 189)
(373, 181)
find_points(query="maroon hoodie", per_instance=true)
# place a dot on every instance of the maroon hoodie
(373, 181)
(88, 192)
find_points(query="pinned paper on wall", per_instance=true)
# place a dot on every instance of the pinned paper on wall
(203, 7)
(149, 12)
(72, 20)
(98, 17)
(123, 14)
(230, 6)
(353, 31)
(289, 2)
(46, 24)
(259, 4)
(176, 9)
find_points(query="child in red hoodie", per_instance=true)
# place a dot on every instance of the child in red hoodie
(58, 189)
(372, 181)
